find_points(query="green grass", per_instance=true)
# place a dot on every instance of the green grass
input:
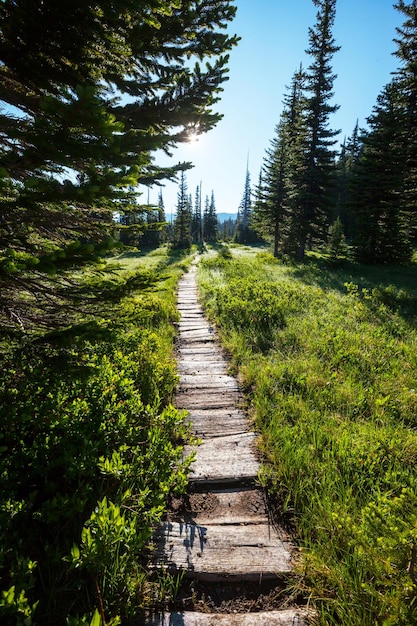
(90, 448)
(328, 360)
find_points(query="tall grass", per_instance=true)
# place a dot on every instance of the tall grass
(330, 368)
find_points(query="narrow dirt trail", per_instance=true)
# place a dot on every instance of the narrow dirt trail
(235, 560)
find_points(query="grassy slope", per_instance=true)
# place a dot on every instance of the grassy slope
(329, 362)
(90, 449)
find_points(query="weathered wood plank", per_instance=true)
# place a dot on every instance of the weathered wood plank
(209, 381)
(193, 367)
(185, 330)
(193, 399)
(224, 459)
(189, 308)
(198, 336)
(219, 551)
(195, 323)
(217, 422)
(203, 350)
(288, 617)
(209, 389)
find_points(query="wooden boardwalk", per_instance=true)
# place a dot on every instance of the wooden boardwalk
(229, 536)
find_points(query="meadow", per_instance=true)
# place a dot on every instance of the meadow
(327, 357)
(91, 448)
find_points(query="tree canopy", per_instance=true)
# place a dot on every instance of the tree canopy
(88, 93)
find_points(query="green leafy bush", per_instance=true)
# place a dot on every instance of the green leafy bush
(90, 449)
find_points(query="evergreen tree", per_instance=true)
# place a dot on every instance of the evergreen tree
(163, 232)
(380, 229)
(88, 93)
(182, 222)
(272, 217)
(210, 219)
(133, 223)
(407, 75)
(312, 177)
(244, 233)
(346, 162)
(384, 180)
(337, 242)
(227, 228)
(270, 203)
(196, 219)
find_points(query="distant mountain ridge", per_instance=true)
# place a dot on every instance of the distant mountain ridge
(222, 217)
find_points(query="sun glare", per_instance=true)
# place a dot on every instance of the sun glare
(193, 138)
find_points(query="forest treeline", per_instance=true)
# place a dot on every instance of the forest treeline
(311, 194)
(308, 193)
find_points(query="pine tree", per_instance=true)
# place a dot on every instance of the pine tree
(210, 219)
(312, 177)
(244, 232)
(407, 75)
(182, 222)
(270, 203)
(163, 233)
(337, 243)
(228, 228)
(88, 93)
(272, 217)
(196, 219)
(345, 165)
(380, 229)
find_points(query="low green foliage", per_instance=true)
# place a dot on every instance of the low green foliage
(90, 448)
(333, 392)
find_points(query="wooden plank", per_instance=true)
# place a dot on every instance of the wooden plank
(193, 350)
(224, 459)
(194, 317)
(201, 352)
(217, 422)
(188, 295)
(189, 329)
(198, 336)
(288, 617)
(202, 360)
(208, 381)
(207, 398)
(190, 399)
(209, 389)
(220, 551)
(189, 308)
(193, 367)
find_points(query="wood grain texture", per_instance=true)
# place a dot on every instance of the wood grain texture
(217, 422)
(223, 551)
(229, 458)
(289, 617)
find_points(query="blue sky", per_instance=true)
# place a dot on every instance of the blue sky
(274, 38)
